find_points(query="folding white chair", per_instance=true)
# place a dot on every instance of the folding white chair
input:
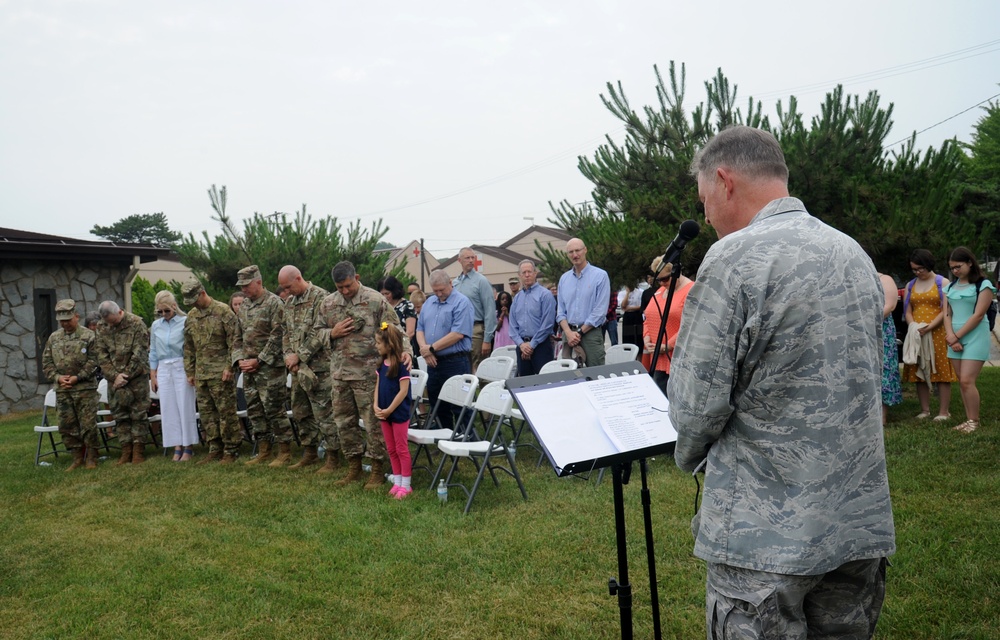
(241, 414)
(422, 363)
(288, 411)
(458, 391)
(510, 351)
(155, 421)
(418, 382)
(562, 364)
(621, 353)
(495, 368)
(104, 424)
(46, 428)
(494, 401)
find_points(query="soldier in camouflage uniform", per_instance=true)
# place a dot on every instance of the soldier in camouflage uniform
(69, 363)
(351, 316)
(258, 354)
(123, 353)
(776, 389)
(307, 357)
(209, 336)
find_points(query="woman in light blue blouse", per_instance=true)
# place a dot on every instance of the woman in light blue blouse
(968, 332)
(166, 374)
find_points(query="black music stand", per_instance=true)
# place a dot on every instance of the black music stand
(606, 416)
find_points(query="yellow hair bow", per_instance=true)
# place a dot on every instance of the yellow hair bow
(385, 325)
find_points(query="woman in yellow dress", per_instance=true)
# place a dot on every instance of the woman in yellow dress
(924, 301)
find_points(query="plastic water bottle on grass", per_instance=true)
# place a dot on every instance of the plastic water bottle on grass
(442, 492)
(512, 448)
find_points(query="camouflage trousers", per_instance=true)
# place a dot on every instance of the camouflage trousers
(313, 411)
(353, 399)
(77, 417)
(128, 408)
(266, 393)
(844, 604)
(217, 407)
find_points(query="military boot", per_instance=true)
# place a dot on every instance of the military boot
(229, 458)
(377, 477)
(77, 460)
(263, 453)
(211, 457)
(309, 457)
(284, 455)
(91, 458)
(334, 461)
(126, 456)
(137, 452)
(353, 471)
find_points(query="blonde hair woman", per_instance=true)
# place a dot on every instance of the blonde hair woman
(166, 375)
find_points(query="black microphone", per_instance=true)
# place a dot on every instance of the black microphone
(689, 231)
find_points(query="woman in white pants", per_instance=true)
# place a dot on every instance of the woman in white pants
(166, 374)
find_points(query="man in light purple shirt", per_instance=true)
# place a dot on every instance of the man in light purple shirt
(582, 307)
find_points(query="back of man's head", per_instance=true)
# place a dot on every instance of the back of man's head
(752, 152)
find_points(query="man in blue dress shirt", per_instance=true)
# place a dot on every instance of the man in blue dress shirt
(532, 317)
(444, 333)
(474, 286)
(582, 305)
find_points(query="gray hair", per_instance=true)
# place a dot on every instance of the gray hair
(752, 152)
(438, 276)
(108, 308)
(342, 271)
(526, 261)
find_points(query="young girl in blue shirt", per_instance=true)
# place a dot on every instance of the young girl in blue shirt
(392, 406)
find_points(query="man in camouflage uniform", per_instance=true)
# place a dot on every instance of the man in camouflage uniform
(351, 316)
(209, 335)
(775, 389)
(69, 362)
(258, 354)
(123, 353)
(307, 357)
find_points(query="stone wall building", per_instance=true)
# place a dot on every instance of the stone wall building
(36, 271)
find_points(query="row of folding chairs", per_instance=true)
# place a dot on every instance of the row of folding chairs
(613, 354)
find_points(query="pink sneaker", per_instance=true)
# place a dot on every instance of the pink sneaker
(403, 492)
(394, 490)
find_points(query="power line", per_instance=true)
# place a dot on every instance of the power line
(943, 121)
(878, 74)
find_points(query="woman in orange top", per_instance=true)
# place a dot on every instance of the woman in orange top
(654, 315)
(925, 302)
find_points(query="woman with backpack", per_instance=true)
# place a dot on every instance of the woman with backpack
(968, 334)
(924, 303)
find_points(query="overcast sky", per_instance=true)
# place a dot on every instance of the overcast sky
(453, 121)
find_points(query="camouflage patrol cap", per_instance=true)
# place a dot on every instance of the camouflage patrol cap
(247, 275)
(191, 291)
(65, 309)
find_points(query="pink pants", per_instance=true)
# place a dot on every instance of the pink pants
(398, 447)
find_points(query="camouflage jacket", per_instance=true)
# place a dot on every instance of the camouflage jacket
(261, 329)
(71, 354)
(123, 348)
(209, 336)
(301, 336)
(776, 381)
(354, 357)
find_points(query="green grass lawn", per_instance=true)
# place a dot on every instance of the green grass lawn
(169, 550)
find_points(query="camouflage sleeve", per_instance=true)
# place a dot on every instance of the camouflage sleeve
(48, 362)
(317, 338)
(232, 328)
(89, 370)
(139, 359)
(237, 344)
(103, 353)
(286, 336)
(190, 357)
(712, 341)
(271, 352)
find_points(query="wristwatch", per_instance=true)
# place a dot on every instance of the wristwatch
(431, 348)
